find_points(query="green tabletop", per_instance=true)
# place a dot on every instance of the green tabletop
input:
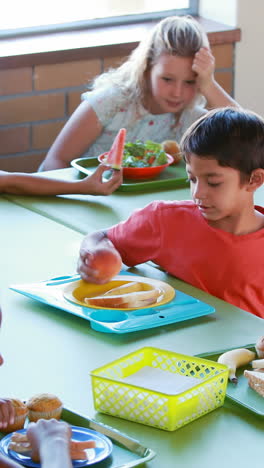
(80, 212)
(87, 213)
(47, 350)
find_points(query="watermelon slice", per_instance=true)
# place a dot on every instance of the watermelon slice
(115, 155)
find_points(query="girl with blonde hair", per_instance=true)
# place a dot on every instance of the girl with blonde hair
(156, 94)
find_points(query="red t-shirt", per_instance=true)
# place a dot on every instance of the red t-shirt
(174, 235)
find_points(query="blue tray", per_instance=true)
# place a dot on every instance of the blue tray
(181, 307)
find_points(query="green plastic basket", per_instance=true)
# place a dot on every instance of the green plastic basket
(112, 395)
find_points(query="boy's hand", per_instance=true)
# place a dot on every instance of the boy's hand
(99, 260)
(7, 413)
(99, 266)
(204, 66)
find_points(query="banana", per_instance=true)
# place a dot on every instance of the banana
(258, 364)
(234, 359)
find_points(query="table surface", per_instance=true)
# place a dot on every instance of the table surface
(80, 212)
(48, 350)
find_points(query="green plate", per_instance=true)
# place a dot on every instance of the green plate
(241, 393)
(171, 177)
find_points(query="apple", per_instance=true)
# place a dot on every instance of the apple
(105, 263)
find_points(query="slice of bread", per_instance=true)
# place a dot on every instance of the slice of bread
(255, 381)
(129, 300)
(124, 289)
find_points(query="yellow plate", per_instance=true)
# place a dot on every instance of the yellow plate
(78, 290)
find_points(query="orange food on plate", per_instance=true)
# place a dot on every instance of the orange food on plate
(20, 444)
(106, 263)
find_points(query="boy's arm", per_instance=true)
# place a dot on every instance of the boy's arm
(34, 184)
(80, 131)
(204, 66)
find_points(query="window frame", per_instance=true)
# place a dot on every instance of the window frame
(99, 22)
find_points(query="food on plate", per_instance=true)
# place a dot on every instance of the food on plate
(20, 444)
(255, 381)
(44, 406)
(105, 263)
(21, 412)
(236, 358)
(146, 154)
(260, 347)
(115, 155)
(129, 300)
(172, 147)
(134, 286)
(258, 364)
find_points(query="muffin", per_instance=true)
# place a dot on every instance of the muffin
(44, 406)
(171, 147)
(21, 412)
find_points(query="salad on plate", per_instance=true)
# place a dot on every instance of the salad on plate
(148, 154)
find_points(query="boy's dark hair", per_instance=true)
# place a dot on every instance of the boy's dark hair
(234, 137)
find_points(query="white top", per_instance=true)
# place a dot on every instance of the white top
(114, 111)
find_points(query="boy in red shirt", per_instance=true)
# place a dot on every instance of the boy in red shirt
(216, 241)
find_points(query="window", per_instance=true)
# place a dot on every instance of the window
(27, 17)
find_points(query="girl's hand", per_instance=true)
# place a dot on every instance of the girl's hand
(204, 66)
(94, 185)
(7, 413)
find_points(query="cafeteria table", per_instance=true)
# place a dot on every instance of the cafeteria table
(72, 210)
(48, 350)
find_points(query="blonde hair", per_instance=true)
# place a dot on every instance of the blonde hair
(175, 35)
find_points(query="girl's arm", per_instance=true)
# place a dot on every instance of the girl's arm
(204, 66)
(35, 184)
(81, 130)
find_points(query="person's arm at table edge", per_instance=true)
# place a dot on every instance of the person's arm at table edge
(36, 184)
(8, 463)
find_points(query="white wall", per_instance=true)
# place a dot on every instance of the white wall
(249, 61)
(248, 15)
(223, 11)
